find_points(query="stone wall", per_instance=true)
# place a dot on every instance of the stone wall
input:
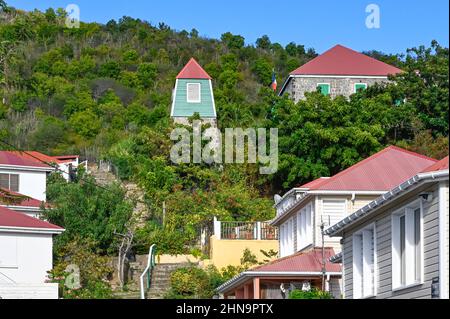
(297, 86)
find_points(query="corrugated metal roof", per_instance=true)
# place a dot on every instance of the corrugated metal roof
(379, 172)
(193, 70)
(310, 261)
(340, 60)
(442, 164)
(10, 218)
(19, 159)
(26, 202)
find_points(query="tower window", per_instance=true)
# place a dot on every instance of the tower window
(193, 93)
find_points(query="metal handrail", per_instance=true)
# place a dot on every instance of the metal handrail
(147, 271)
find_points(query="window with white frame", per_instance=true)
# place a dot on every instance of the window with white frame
(193, 93)
(9, 181)
(304, 227)
(364, 261)
(407, 246)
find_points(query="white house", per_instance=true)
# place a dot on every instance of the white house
(25, 256)
(398, 245)
(327, 200)
(23, 175)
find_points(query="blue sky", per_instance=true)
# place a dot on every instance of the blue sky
(404, 23)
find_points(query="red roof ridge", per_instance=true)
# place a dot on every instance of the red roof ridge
(11, 218)
(374, 156)
(193, 70)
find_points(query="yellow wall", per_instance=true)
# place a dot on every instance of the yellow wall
(229, 252)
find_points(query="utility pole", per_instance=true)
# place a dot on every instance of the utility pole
(322, 226)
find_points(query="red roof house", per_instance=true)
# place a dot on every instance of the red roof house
(265, 282)
(338, 71)
(10, 219)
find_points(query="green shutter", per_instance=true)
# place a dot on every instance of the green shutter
(360, 86)
(324, 88)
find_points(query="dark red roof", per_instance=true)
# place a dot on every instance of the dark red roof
(379, 172)
(193, 70)
(340, 60)
(439, 166)
(26, 202)
(10, 218)
(19, 159)
(310, 261)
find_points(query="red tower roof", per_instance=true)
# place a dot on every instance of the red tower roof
(193, 70)
(19, 159)
(340, 60)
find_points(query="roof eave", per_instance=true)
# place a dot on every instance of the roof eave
(372, 207)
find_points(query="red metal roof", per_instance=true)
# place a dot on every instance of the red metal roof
(340, 60)
(439, 166)
(193, 70)
(10, 218)
(315, 183)
(19, 159)
(379, 172)
(26, 202)
(310, 261)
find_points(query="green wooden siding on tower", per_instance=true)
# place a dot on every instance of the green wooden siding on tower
(182, 108)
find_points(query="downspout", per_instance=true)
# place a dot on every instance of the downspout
(442, 251)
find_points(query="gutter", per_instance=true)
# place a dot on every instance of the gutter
(403, 188)
(307, 194)
(28, 168)
(249, 274)
(30, 230)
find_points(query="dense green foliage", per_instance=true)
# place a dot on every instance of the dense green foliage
(104, 91)
(88, 211)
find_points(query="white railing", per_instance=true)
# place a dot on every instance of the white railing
(147, 272)
(244, 230)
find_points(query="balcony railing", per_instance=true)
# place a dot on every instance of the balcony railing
(245, 230)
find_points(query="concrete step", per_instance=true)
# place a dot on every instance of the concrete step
(127, 295)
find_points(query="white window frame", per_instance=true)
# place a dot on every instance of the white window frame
(199, 86)
(410, 280)
(305, 227)
(354, 86)
(361, 276)
(329, 87)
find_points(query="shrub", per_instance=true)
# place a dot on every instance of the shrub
(312, 294)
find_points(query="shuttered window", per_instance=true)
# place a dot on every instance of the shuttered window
(304, 227)
(334, 210)
(193, 93)
(9, 181)
(364, 263)
(407, 247)
(360, 86)
(324, 88)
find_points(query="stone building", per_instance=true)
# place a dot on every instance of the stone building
(338, 71)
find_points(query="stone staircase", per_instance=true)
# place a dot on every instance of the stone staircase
(160, 283)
